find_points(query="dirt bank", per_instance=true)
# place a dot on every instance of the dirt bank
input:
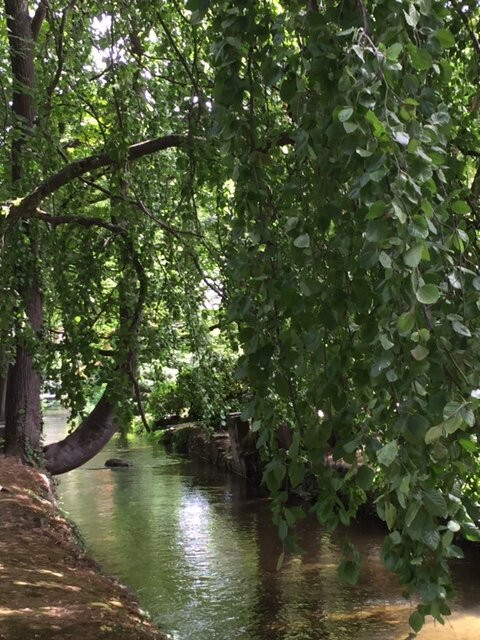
(49, 588)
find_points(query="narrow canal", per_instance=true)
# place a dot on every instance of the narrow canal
(199, 549)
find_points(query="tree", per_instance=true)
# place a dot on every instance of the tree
(318, 181)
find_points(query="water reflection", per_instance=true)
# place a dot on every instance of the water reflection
(200, 550)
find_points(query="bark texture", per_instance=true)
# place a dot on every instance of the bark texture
(85, 442)
(23, 416)
(23, 412)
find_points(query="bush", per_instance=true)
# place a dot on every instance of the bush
(205, 391)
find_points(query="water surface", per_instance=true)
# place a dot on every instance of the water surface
(199, 549)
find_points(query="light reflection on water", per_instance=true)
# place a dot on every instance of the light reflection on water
(200, 551)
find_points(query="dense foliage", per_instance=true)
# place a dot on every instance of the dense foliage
(312, 190)
(204, 390)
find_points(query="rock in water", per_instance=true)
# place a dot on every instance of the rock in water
(117, 462)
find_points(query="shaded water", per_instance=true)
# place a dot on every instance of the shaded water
(199, 549)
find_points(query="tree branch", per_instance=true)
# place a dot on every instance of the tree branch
(60, 56)
(464, 18)
(78, 168)
(38, 214)
(27, 207)
(38, 18)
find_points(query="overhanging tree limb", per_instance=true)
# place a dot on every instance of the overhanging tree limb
(28, 205)
(78, 168)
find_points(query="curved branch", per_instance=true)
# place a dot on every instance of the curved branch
(78, 168)
(86, 441)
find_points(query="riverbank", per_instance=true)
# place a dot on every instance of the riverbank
(49, 588)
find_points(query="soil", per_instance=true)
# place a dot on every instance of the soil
(49, 588)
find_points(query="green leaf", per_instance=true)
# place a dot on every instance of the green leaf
(365, 477)
(416, 621)
(468, 445)
(461, 207)
(390, 515)
(445, 38)
(377, 209)
(385, 342)
(302, 241)
(377, 126)
(421, 59)
(431, 538)
(345, 114)
(420, 352)
(394, 51)
(385, 260)
(387, 454)
(350, 127)
(349, 571)
(428, 294)
(434, 433)
(413, 256)
(461, 329)
(434, 502)
(296, 473)
(405, 323)
(412, 16)
(452, 408)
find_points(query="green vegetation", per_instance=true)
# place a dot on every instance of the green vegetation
(303, 176)
(206, 391)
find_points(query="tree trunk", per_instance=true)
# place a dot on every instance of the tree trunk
(23, 412)
(23, 416)
(3, 394)
(85, 442)
(23, 409)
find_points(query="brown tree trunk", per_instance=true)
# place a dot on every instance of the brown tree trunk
(23, 411)
(3, 393)
(23, 416)
(85, 442)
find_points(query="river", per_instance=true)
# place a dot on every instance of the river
(199, 549)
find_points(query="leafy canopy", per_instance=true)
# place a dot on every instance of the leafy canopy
(326, 188)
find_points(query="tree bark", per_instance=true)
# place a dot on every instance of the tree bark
(23, 415)
(3, 394)
(85, 442)
(23, 412)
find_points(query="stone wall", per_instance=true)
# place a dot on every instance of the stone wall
(233, 450)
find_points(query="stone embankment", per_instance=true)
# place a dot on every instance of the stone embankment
(232, 449)
(49, 588)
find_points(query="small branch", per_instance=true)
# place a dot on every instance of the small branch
(138, 400)
(469, 152)
(142, 207)
(464, 18)
(38, 18)
(178, 53)
(98, 75)
(60, 59)
(79, 220)
(173, 231)
(365, 17)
